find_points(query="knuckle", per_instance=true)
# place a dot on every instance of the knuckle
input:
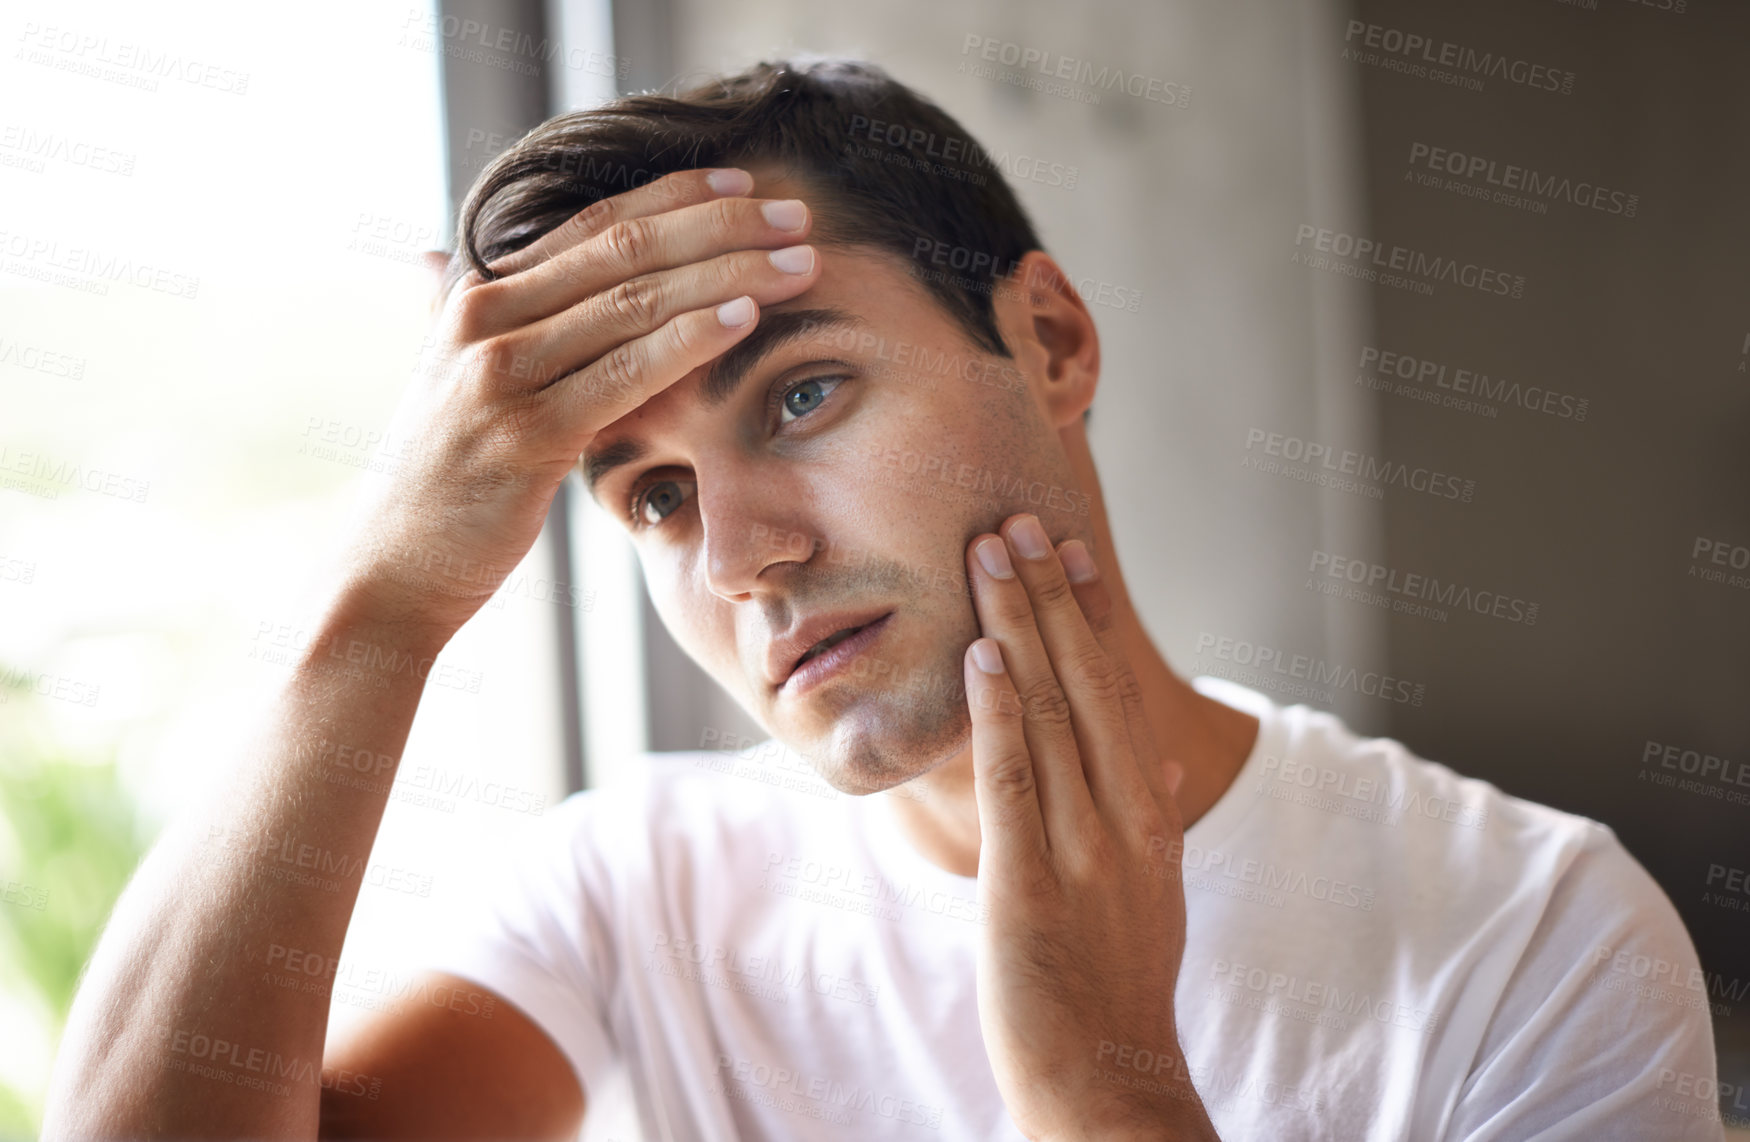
(1103, 689)
(1011, 778)
(1055, 591)
(731, 214)
(497, 361)
(1148, 832)
(737, 272)
(685, 338)
(571, 267)
(618, 372)
(476, 302)
(1014, 609)
(1094, 674)
(636, 302)
(1099, 616)
(679, 186)
(677, 183)
(1046, 704)
(592, 219)
(1129, 689)
(629, 242)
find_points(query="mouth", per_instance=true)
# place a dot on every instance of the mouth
(831, 653)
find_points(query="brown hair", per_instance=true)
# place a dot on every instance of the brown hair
(893, 171)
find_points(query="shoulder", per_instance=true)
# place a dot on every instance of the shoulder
(1604, 1023)
(1416, 807)
(1573, 977)
(1562, 867)
(1457, 859)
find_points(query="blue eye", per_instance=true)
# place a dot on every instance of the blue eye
(660, 499)
(656, 502)
(805, 397)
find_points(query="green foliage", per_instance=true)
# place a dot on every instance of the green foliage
(75, 839)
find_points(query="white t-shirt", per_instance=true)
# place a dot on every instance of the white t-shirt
(1377, 949)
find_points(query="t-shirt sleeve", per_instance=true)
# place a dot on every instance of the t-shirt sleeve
(536, 931)
(1603, 1032)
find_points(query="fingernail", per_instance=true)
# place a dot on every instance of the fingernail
(735, 314)
(1029, 538)
(793, 259)
(986, 655)
(1077, 563)
(786, 214)
(729, 180)
(995, 558)
(1175, 775)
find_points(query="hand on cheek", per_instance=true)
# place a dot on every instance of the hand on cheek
(1079, 855)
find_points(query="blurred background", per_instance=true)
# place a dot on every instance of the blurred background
(1499, 244)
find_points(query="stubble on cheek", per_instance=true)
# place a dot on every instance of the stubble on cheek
(909, 723)
(901, 711)
(909, 714)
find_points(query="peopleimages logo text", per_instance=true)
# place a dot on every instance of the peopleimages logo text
(1402, 259)
(1459, 57)
(1509, 176)
(1428, 588)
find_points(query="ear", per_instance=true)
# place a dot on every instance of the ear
(1047, 325)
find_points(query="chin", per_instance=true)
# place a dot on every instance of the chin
(866, 732)
(874, 747)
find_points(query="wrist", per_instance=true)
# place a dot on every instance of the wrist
(398, 601)
(423, 587)
(1167, 1125)
(361, 633)
(1156, 1103)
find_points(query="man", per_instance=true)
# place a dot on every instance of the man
(812, 356)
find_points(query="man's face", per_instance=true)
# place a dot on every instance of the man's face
(843, 477)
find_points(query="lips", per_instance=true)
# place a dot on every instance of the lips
(826, 644)
(812, 637)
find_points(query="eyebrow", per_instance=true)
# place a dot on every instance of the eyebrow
(774, 332)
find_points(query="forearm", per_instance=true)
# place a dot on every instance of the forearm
(275, 860)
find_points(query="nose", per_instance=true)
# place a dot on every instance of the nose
(753, 517)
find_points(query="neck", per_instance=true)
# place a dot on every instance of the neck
(1210, 739)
